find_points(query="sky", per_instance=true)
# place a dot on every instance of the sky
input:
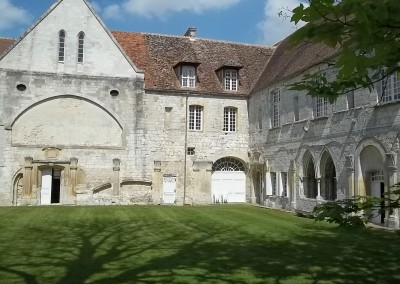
(246, 21)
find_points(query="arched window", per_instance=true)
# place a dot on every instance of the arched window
(81, 42)
(228, 165)
(309, 180)
(328, 177)
(61, 46)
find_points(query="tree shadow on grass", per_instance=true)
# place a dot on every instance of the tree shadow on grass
(144, 252)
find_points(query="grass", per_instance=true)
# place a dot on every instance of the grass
(212, 244)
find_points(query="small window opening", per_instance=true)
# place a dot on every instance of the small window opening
(61, 46)
(81, 41)
(114, 93)
(21, 87)
(190, 151)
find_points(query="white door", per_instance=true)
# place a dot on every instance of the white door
(376, 191)
(169, 189)
(228, 186)
(45, 192)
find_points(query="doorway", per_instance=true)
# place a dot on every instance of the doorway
(51, 187)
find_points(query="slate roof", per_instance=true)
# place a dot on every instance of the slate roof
(288, 61)
(158, 54)
(5, 44)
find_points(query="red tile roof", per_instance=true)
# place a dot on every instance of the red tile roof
(5, 44)
(157, 55)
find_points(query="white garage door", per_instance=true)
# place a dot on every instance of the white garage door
(228, 187)
(228, 181)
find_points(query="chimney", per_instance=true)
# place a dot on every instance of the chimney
(191, 33)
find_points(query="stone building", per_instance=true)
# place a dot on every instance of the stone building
(89, 116)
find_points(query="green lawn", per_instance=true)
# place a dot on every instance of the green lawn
(212, 244)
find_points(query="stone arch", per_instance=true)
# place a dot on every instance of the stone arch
(327, 173)
(369, 159)
(229, 164)
(237, 158)
(13, 118)
(66, 121)
(309, 176)
(18, 186)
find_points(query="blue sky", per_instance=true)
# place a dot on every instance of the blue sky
(248, 21)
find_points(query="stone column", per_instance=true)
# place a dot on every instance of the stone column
(28, 177)
(115, 180)
(157, 183)
(350, 176)
(319, 197)
(393, 219)
(293, 179)
(72, 174)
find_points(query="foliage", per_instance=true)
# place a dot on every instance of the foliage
(348, 213)
(356, 212)
(366, 34)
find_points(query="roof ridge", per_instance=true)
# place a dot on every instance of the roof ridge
(2, 37)
(199, 38)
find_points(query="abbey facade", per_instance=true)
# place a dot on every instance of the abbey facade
(94, 117)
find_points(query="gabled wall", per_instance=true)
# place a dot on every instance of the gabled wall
(38, 49)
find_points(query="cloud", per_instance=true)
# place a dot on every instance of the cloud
(163, 9)
(274, 27)
(11, 15)
(112, 12)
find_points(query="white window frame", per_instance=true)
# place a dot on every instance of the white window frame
(188, 76)
(389, 89)
(276, 108)
(61, 46)
(231, 79)
(321, 106)
(230, 119)
(81, 45)
(274, 183)
(284, 180)
(195, 118)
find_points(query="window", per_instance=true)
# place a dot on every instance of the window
(350, 100)
(61, 46)
(273, 183)
(188, 76)
(276, 101)
(81, 41)
(389, 88)
(230, 119)
(284, 184)
(231, 80)
(321, 106)
(195, 118)
(190, 151)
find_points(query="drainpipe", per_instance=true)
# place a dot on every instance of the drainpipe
(184, 166)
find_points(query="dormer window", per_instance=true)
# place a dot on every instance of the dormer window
(188, 76)
(81, 41)
(61, 46)
(231, 79)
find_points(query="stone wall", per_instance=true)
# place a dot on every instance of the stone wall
(349, 122)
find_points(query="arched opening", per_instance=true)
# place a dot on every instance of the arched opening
(371, 181)
(228, 183)
(328, 177)
(309, 180)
